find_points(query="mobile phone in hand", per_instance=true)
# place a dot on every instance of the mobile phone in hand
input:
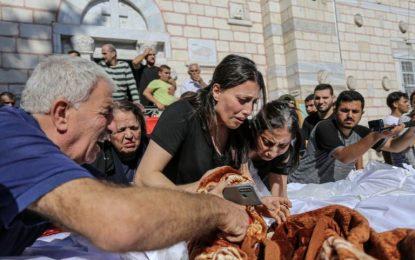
(243, 194)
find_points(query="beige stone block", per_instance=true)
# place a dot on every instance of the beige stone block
(251, 48)
(260, 59)
(191, 20)
(238, 47)
(222, 45)
(204, 2)
(8, 28)
(261, 49)
(13, 76)
(208, 33)
(180, 7)
(7, 44)
(166, 5)
(211, 11)
(44, 17)
(191, 31)
(175, 29)
(180, 55)
(197, 9)
(51, 5)
(241, 36)
(226, 35)
(12, 2)
(221, 23)
(329, 56)
(174, 18)
(34, 46)
(35, 31)
(222, 12)
(204, 21)
(256, 38)
(254, 6)
(17, 14)
(219, 3)
(255, 17)
(178, 42)
(257, 28)
(20, 61)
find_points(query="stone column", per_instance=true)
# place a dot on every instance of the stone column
(302, 46)
(84, 44)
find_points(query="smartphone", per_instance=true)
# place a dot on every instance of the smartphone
(243, 194)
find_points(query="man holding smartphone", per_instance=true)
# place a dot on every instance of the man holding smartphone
(336, 144)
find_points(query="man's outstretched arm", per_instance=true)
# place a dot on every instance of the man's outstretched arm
(137, 218)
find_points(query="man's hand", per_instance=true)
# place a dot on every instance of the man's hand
(146, 51)
(234, 222)
(160, 106)
(277, 208)
(171, 90)
(390, 132)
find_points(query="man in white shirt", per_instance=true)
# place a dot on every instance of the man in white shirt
(398, 102)
(195, 83)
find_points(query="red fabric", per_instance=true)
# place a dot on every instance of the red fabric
(151, 123)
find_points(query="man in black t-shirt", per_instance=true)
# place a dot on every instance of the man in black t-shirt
(336, 144)
(146, 73)
(323, 101)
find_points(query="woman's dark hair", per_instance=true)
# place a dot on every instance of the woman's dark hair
(273, 115)
(232, 71)
(128, 106)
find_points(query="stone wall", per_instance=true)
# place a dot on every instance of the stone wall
(25, 38)
(296, 43)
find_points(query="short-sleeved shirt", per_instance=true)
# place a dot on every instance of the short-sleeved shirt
(146, 74)
(160, 90)
(30, 166)
(190, 85)
(184, 135)
(309, 123)
(318, 165)
(281, 164)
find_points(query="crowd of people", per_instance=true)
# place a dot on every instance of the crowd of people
(76, 153)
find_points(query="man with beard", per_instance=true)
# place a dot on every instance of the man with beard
(147, 72)
(323, 101)
(336, 144)
(310, 107)
(120, 72)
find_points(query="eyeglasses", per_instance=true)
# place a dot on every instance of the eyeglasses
(194, 70)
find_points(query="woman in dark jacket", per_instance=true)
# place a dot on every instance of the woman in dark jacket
(120, 156)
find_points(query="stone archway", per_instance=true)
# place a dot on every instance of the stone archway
(128, 24)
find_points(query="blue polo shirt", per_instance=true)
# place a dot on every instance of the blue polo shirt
(30, 166)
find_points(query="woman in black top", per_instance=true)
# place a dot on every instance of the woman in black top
(275, 145)
(199, 133)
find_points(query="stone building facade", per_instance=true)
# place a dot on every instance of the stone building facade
(363, 45)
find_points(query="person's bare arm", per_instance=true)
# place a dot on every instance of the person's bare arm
(137, 60)
(400, 143)
(359, 163)
(123, 219)
(148, 93)
(149, 172)
(278, 184)
(351, 153)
